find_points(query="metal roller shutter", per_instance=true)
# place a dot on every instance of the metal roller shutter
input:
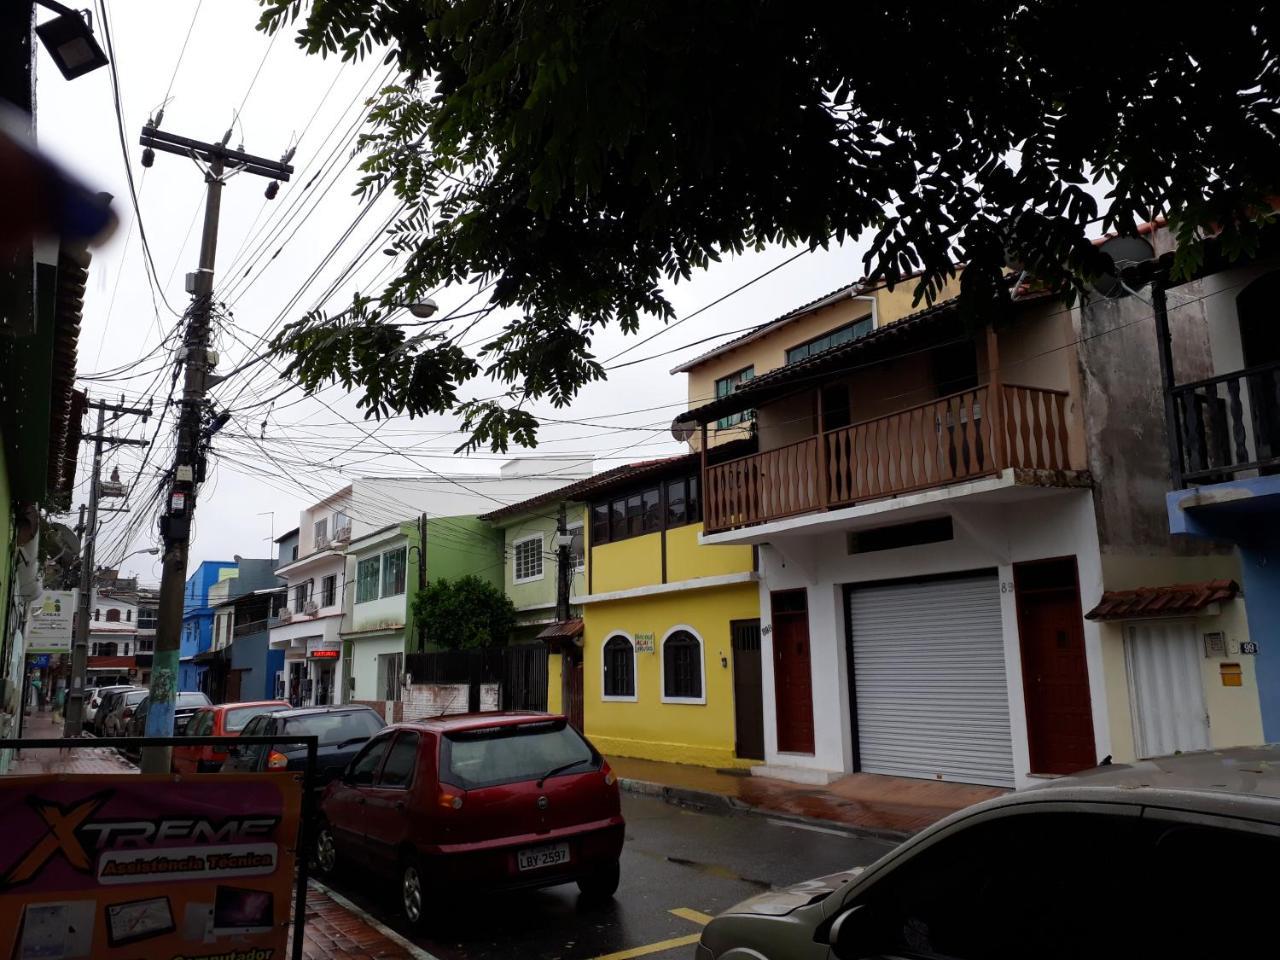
(929, 677)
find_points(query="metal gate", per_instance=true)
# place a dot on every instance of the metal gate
(929, 683)
(748, 703)
(520, 671)
(1162, 658)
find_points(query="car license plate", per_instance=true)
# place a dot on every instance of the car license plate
(534, 858)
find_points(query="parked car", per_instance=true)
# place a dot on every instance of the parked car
(220, 720)
(186, 703)
(93, 702)
(476, 802)
(118, 710)
(340, 730)
(1112, 862)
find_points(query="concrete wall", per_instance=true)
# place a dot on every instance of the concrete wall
(464, 546)
(364, 663)
(626, 564)
(541, 593)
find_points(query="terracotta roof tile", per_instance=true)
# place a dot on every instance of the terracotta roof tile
(563, 630)
(1180, 598)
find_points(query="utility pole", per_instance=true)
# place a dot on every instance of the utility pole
(80, 645)
(564, 565)
(218, 163)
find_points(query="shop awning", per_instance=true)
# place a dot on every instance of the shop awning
(1180, 599)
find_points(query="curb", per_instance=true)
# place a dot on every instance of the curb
(706, 801)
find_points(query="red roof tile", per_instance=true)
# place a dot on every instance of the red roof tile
(1180, 598)
(563, 630)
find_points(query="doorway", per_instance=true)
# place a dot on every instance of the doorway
(297, 687)
(571, 685)
(748, 696)
(1055, 674)
(1166, 693)
(792, 671)
(322, 675)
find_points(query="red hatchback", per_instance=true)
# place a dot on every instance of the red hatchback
(478, 801)
(221, 720)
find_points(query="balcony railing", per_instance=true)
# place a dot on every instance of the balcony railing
(1228, 425)
(948, 440)
(255, 626)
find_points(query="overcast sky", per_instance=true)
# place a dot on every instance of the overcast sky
(277, 458)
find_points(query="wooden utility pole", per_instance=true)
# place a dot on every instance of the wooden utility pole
(218, 164)
(564, 568)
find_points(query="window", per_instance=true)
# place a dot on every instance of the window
(393, 573)
(651, 510)
(128, 616)
(600, 523)
(300, 593)
(366, 764)
(113, 616)
(682, 667)
(146, 645)
(322, 533)
(509, 754)
(618, 520)
(636, 514)
(367, 579)
(619, 668)
(334, 728)
(841, 335)
(329, 590)
(390, 668)
(402, 758)
(293, 552)
(147, 618)
(578, 548)
(728, 385)
(97, 614)
(235, 719)
(528, 559)
(340, 522)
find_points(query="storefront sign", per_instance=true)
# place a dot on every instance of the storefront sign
(319, 649)
(122, 866)
(644, 642)
(324, 654)
(49, 622)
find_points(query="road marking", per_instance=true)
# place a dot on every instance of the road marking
(411, 949)
(812, 827)
(697, 916)
(684, 913)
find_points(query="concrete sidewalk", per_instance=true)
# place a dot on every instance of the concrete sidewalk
(334, 930)
(892, 807)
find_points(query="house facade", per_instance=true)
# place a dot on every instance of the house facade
(935, 509)
(238, 664)
(197, 620)
(113, 634)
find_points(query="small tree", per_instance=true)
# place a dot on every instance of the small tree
(464, 614)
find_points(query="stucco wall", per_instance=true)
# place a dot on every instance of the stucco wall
(687, 560)
(636, 562)
(364, 664)
(648, 728)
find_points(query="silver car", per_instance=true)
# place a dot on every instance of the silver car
(1173, 857)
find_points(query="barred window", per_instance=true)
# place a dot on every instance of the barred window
(619, 667)
(682, 667)
(367, 579)
(528, 559)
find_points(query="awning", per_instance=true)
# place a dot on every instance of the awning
(562, 630)
(1177, 600)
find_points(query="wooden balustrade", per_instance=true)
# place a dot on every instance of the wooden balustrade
(948, 440)
(1228, 425)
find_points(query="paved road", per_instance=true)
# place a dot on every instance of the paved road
(674, 860)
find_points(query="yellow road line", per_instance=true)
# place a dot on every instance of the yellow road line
(696, 916)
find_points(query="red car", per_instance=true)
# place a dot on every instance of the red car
(482, 801)
(222, 720)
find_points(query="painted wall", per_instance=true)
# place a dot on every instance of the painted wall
(381, 613)
(541, 593)
(460, 546)
(1027, 525)
(364, 663)
(635, 562)
(686, 559)
(1235, 718)
(555, 690)
(260, 664)
(648, 728)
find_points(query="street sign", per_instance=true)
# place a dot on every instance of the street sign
(41, 661)
(49, 622)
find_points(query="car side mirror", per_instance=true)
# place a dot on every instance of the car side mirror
(853, 934)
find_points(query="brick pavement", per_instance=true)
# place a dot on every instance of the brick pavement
(333, 931)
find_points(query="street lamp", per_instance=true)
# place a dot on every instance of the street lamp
(423, 309)
(151, 550)
(69, 39)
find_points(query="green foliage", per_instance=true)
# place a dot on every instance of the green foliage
(578, 156)
(465, 613)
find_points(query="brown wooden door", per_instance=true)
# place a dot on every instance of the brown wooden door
(748, 696)
(792, 671)
(234, 678)
(1055, 674)
(572, 666)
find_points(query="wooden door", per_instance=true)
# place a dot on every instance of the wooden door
(234, 678)
(1055, 675)
(572, 680)
(748, 696)
(792, 671)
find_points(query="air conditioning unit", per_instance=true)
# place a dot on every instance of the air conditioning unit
(342, 534)
(311, 608)
(322, 543)
(286, 615)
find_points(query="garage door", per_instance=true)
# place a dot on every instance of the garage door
(928, 667)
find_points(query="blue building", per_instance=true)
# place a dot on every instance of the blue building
(240, 665)
(197, 619)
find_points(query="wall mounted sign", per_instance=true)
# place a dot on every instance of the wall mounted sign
(645, 642)
(1249, 648)
(323, 655)
(49, 622)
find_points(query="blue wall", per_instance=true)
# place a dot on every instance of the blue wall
(197, 620)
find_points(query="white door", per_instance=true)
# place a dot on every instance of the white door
(929, 680)
(1166, 693)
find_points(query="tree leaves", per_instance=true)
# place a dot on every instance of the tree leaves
(464, 614)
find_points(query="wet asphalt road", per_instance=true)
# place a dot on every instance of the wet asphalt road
(674, 859)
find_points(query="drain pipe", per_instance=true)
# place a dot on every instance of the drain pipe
(875, 308)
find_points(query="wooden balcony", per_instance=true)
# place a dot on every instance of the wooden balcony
(949, 440)
(1228, 426)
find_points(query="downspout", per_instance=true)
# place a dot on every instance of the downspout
(875, 307)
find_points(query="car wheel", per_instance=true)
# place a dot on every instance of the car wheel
(326, 852)
(413, 899)
(602, 883)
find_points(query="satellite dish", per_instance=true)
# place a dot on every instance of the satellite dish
(64, 545)
(682, 428)
(1124, 252)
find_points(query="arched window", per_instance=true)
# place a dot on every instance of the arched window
(113, 616)
(682, 667)
(619, 668)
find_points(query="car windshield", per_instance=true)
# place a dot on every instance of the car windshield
(335, 728)
(235, 719)
(506, 754)
(134, 696)
(192, 700)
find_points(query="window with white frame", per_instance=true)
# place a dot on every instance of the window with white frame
(682, 668)
(367, 572)
(329, 590)
(300, 594)
(619, 656)
(393, 572)
(528, 559)
(322, 532)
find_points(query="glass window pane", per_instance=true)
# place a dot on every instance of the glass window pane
(393, 572)
(695, 504)
(677, 514)
(652, 500)
(634, 515)
(600, 523)
(364, 765)
(528, 559)
(398, 770)
(514, 753)
(367, 579)
(619, 521)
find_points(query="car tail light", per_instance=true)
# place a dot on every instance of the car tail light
(277, 760)
(609, 778)
(450, 797)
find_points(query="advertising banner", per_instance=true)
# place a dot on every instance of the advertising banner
(126, 866)
(49, 622)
